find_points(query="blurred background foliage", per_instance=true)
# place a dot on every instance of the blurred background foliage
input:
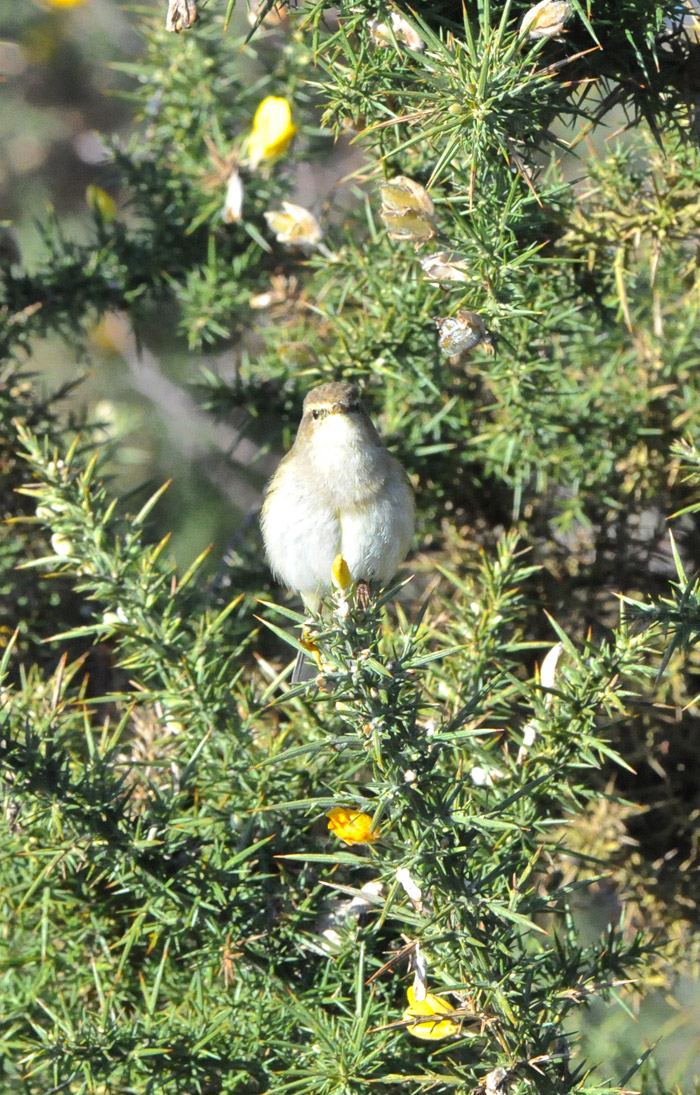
(146, 316)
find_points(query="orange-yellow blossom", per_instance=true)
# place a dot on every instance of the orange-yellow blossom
(351, 827)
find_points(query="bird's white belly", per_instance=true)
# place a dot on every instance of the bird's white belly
(375, 538)
(305, 543)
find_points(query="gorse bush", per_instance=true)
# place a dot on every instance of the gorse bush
(214, 880)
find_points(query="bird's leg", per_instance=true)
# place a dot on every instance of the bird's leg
(308, 643)
(362, 594)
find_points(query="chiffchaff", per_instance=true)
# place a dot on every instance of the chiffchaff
(338, 491)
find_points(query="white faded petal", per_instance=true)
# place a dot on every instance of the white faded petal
(445, 266)
(405, 33)
(233, 203)
(360, 903)
(529, 733)
(411, 888)
(530, 730)
(61, 544)
(484, 777)
(549, 666)
(332, 938)
(497, 1082)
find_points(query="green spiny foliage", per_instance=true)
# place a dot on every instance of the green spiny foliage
(178, 916)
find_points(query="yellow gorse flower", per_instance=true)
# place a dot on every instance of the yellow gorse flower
(351, 827)
(340, 574)
(272, 130)
(429, 1029)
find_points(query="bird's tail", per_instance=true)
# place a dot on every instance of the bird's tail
(305, 668)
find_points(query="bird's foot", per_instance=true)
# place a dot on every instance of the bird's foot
(304, 666)
(309, 645)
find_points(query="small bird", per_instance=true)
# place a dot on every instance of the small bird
(338, 491)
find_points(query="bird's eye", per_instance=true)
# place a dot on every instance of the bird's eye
(315, 414)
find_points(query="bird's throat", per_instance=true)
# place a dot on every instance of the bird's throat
(346, 458)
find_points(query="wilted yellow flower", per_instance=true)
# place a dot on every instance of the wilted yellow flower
(402, 194)
(99, 200)
(461, 332)
(407, 225)
(429, 1029)
(546, 19)
(351, 827)
(272, 130)
(407, 210)
(61, 545)
(294, 226)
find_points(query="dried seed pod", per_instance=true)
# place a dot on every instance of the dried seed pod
(496, 1083)
(181, 15)
(457, 334)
